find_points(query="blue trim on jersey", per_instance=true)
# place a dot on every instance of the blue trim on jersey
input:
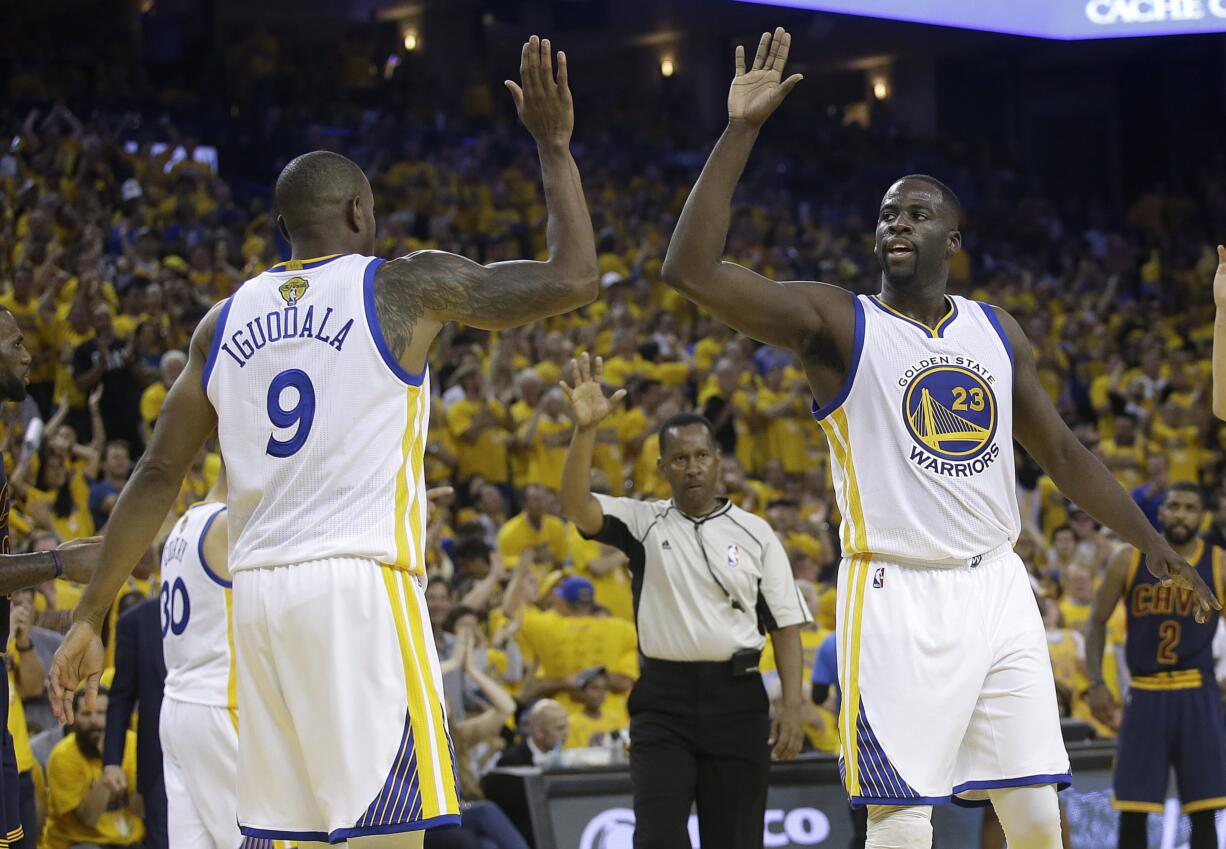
(937, 332)
(208, 523)
(400, 798)
(857, 346)
(218, 332)
(1062, 780)
(879, 778)
(990, 312)
(376, 332)
(343, 834)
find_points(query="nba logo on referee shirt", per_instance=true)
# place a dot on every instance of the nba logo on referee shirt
(879, 578)
(734, 555)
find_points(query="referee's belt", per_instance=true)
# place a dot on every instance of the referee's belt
(1176, 679)
(743, 663)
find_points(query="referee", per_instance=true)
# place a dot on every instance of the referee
(708, 580)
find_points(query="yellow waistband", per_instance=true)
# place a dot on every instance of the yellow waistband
(1179, 679)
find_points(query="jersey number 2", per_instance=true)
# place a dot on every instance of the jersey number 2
(1170, 632)
(300, 416)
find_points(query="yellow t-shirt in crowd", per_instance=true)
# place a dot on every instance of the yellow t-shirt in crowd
(69, 777)
(1129, 476)
(1067, 667)
(79, 522)
(612, 589)
(1182, 449)
(547, 453)
(488, 455)
(589, 731)
(518, 535)
(566, 645)
(151, 401)
(1075, 613)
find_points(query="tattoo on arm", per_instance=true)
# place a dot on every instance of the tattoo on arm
(453, 288)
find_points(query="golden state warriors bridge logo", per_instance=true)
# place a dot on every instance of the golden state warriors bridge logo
(949, 409)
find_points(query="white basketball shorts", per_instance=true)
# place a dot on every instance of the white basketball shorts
(343, 730)
(200, 765)
(947, 687)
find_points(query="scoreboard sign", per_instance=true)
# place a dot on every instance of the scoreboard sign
(1059, 19)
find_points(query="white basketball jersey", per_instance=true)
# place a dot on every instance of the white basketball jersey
(196, 613)
(322, 431)
(921, 436)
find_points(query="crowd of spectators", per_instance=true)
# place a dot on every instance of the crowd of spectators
(119, 232)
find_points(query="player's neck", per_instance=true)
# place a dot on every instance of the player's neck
(920, 300)
(1187, 549)
(313, 247)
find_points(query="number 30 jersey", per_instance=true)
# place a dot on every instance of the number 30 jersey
(322, 431)
(196, 615)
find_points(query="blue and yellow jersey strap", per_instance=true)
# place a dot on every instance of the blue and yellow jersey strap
(1133, 565)
(1219, 575)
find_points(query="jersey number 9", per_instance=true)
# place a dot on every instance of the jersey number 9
(300, 416)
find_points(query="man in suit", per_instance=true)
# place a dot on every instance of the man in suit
(547, 728)
(139, 675)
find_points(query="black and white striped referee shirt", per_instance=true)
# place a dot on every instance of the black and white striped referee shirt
(702, 585)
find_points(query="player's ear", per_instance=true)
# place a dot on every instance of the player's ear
(281, 226)
(955, 242)
(355, 214)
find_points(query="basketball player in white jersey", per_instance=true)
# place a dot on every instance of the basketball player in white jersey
(946, 683)
(199, 725)
(314, 374)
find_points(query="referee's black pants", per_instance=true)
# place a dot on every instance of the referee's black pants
(698, 735)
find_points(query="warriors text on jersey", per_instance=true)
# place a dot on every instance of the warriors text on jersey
(322, 431)
(921, 436)
(196, 615)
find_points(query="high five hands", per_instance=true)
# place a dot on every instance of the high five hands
(543, 103)
(757, 92)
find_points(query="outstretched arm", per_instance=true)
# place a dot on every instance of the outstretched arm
(1083, 478)
(589, 407)
(417, 293)
(186, 420)
(784, 314)
(1219, 336)
(1110, 591)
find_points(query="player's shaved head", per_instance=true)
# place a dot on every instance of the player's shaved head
(325, 196)
(950, 203)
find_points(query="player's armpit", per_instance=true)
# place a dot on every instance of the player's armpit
(435, 286)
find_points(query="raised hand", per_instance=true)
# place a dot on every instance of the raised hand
(1219, 279)
(588, 403)
(544, 105)
(758, 91)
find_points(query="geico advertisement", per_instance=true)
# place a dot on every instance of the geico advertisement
(817, 815)
(614, 829)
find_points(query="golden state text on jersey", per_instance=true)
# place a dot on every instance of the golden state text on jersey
(949, 409)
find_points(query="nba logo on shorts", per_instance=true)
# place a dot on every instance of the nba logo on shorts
(734, 555)
(879, 578)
